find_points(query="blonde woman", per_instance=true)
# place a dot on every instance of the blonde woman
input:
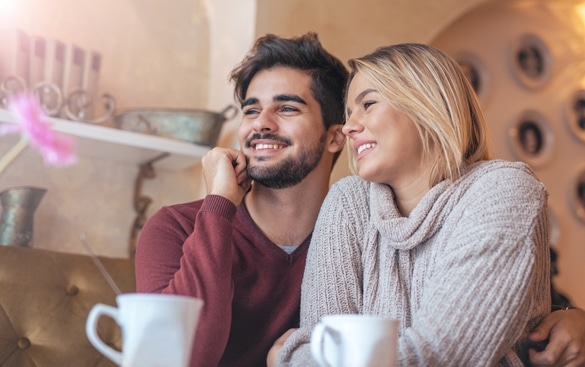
(431, 231)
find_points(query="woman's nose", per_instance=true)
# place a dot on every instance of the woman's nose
(351, 127)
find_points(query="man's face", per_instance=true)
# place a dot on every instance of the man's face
(282, 132)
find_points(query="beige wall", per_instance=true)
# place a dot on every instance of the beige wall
(353, 28)
(153, 54)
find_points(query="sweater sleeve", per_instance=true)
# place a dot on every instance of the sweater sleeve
(488, 284)
(332, 282)
(181, 255)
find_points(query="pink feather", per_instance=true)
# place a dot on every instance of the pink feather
(56, 149)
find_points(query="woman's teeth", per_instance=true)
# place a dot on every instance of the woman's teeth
(361, 148)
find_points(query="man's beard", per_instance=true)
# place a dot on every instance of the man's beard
(291, 170)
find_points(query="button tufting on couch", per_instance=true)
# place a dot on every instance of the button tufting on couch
(45, 297)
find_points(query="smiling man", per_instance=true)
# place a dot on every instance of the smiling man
(242, 249)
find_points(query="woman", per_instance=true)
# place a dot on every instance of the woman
(432, 232)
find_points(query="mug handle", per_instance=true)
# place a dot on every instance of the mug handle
(91, 330)
(317, 344)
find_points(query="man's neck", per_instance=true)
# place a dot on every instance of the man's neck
(287, 216)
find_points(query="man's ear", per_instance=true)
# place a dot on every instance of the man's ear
(335, 138)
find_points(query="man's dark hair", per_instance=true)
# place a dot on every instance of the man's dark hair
(305, 53)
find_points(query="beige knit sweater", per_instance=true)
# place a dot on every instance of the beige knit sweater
(467, 273)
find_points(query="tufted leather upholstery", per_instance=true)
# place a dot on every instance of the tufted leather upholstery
(45, 297)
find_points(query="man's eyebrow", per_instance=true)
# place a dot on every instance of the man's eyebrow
(249, 101)
(277, 98)
(289, 98)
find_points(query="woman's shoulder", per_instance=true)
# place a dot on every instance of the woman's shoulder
(351, 179)
(349, 190)
(350, 183)
(504, 179)
(503, 172)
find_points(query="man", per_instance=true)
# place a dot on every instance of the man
(242, 248)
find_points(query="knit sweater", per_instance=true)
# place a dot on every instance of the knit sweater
(466, 273)
(214, 251)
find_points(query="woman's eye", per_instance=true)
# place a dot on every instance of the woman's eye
(367, 104)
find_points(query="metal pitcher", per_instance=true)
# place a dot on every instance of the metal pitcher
(18, 208)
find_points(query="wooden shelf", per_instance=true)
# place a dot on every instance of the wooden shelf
(94, 141)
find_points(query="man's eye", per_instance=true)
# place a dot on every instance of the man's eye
(289, 109)
(249, 111)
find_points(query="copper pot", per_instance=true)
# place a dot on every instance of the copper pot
(192, 125)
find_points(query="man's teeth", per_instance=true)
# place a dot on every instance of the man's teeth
(268, 146)
(361, 148)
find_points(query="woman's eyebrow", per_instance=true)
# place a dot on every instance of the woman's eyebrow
(360, 96)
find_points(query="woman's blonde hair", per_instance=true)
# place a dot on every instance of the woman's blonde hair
(431, 89)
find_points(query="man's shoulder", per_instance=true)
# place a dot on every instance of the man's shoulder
(184, 208)
(175, 213)
(189, 210)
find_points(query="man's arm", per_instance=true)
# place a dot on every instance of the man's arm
(187, 249)
(173, 258)
(565, 330)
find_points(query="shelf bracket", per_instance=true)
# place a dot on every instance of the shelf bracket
(141, 202)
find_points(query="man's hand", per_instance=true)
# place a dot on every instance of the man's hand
(273, 352)
(566, 333)
(225, 174)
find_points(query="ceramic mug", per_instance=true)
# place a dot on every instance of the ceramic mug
(158, 330)
(355, 341)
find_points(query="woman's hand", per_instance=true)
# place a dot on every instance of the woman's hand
(566, 333)
(273, 352)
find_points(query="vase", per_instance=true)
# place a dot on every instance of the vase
(18, 208)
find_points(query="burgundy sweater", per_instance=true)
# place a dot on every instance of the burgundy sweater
(212, 250)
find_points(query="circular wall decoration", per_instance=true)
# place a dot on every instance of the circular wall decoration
(475, 72)
(575, 114)
(577, 195)
(531, 61)
(532, 138)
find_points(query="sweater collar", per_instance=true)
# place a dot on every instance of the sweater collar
(422, 223)
(429, 214)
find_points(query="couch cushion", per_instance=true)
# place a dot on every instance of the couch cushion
(45, 297)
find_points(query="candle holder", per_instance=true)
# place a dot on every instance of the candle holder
(75, 106)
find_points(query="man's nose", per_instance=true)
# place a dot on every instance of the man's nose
(265, 121)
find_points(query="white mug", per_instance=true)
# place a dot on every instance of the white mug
(158, 330)
(355, 341)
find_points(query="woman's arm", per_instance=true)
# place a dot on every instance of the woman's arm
(332, 282)
(490, 279)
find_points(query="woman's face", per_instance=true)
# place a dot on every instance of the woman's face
(387, 145)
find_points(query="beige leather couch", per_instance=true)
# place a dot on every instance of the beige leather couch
(45, 297)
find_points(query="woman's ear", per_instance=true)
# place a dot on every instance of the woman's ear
(335, 138)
